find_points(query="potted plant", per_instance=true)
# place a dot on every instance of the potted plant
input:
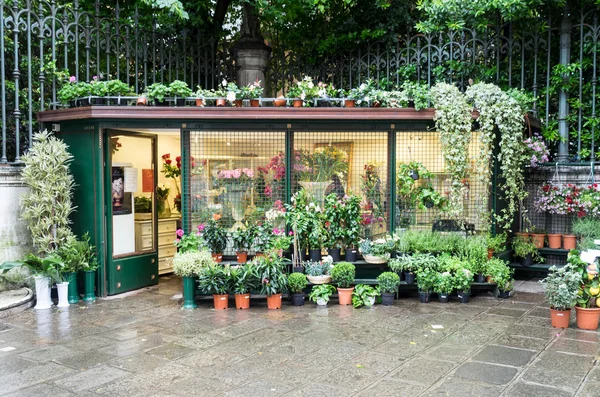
(157, 94)
(98, 91)
(273, 279)
(76, 255)
(321, 294)
(180, 90)
(350, 216)
(332, 226)
(495, 243)
(318, 272)
(214, 279)
(296, 284)
(587, 306)
(525, 249)
(444, 285)
(427, 197)
(499, 273)
(426, 278)
(561, 287)
(231, 92)
(417, 94)
(364, 295)
(89, 267)
(188, 264)
(388, 283)
(343, 274)
(252, 92)
(303, 92)
(401, 244)
(243, 279)
(462, 284)
(216, 238)
(375, 251)
(242, 239)
(116, 88)
(202, 95)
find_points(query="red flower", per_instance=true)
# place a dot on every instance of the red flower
(178, 165)
(178, 159)
(168, 162)
(166, 156)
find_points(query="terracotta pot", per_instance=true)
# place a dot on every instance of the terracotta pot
(349, 103)
(538, 240)
(217, 257)
(489, 279)
(560, 318)
(221, 102)
(554, 241)
(242, 257)
(274, 301)
(141, 101)
(259, 255)
(237, 103)
(587, 318)
(522, 234)
(298, 103)
(242, 301)
(569, 241)
(254, 103)
(221, 302)
(345, 295)
(199, 102)
(279, 102)
(490, 253)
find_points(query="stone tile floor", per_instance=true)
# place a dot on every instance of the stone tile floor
(142, 344)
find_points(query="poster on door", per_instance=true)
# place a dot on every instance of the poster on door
(121, 201)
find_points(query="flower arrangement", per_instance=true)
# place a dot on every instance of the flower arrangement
(321, 165)
(565, 199)
(162, 194)
(251, 91)
(171, 171)
(304, 89)
(273, 175)
(537, 151)
(238, 176)
(188, 242)
(191, 263)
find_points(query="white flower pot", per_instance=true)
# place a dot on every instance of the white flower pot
(322, 302)
(42, 293)
(63, 294)
(370, 301)
(324, 279)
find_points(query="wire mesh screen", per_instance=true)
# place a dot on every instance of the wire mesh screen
(237, 177)
(423, 185)
(343, 163)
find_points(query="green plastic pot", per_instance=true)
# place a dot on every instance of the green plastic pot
(189, 292)
(73, 292)
(90, 281)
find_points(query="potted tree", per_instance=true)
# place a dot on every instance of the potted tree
(271, 271)
(242, 280)
(388, 283)
(321, 294)
(242, 239)
(216, 238)
(561, 287)
(525, 249)
(296, 284)
(214, 279)
(444, 285)
(332, 226)
(350, 216)
(343, 274)
(462, 284)
(188, 264)
(426, 278)
(318, 272)
(364, 295)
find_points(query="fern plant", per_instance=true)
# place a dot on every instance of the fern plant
(46, 206)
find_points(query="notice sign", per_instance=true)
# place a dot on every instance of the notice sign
(131, 178)
(148, 181)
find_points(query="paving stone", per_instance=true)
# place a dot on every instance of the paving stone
(91, 378)
(521, 342)
(501, 311)
(89, 342)
(49, 353)
(563, 362)
(522, 389)
(578, 334)
(392, 388)
(504, 355)
(138, 363)
(171, 351)
(422, 370)
(451, 351)
(378, 362)
(459, 387)
(575, 346)
(262, 388)
(349, 377)
(589, 389)
(32, 376)
(42, 390)
(535, 321)
(85, 360)
(319, 390)
(487, 373)
(568, 380)
(13, 364)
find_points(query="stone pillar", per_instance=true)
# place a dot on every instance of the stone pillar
(563, 105)
(251, 59)
(15, 239)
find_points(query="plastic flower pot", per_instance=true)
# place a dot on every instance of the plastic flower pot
(161, 103)
(387, 298)
(463, 297)
(217, 257)
(73, 288)
(89, 283)
(587, 318)
(242, 301)
(180, 102)
(42, 293)
(479, 278)
(409, 277)
(315, 255)
(199, 102)
(504, 294)
(63, 294)
(424, 297)
(443, 298)
(560, 318)
(350, 255)
(242, 256)
(274, 301)
(322, 302)
(345, 295)
(298, 269)
(189, 292)
(527, 261)
(335, 254)
(298, 103)
(569, 241)
(254, 103)
(538, 239)
(221, 102)
(221, 302)
(298, 299)
(303, 256)
(414, 175)
(349, 103)
(554, 241)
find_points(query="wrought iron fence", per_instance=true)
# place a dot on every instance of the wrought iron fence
(556, 60)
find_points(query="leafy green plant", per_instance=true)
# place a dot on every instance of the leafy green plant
(343, 274)
(73, 90)
(179, 89)
(444, 283)
(214, 279)
(77, 254)
(297, 282)
(500, 273)
(46, 205)
(364, 295)
(214, 235)
(333, 222)
(462, 280)
(418, 93)
(350, 216)
(321, 292)
(497, 242)
(142, 204)
(524, 246)
(118, 88)
(388, 282)
(157, 92)
(312, 268)
(426, 197)
(401, 243)
(251, 91)
(191, 262)
(426, 278)
(587, 227)
(243, 238)
(561, 286)
(378, 248)
(243, 279)
(51, 266)
(271, 271)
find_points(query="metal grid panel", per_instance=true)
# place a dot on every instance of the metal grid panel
(361, 167)
(424, 147)
(237, 177)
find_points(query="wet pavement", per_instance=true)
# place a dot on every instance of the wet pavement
(142, 344)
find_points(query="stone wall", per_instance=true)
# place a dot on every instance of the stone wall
(15, 240)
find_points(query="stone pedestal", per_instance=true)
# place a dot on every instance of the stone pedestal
(15, 240)
(251, 59)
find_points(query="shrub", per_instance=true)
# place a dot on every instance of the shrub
(243, 278)
(462, 280)
(388, 282)
(343, 274)
(561, 286)
(214, 279)
(313, 269)
(191, 263)
(297, 282)
(444, 283)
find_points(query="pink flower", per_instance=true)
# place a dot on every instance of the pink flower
(291, 233)
(201, 228)
(236, 173)
(265, 281)
(72, 79)
(268, 191)
(179, 233)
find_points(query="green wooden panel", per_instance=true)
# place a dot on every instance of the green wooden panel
(133, 272)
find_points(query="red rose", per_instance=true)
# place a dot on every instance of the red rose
(178, 165)
(168, 162)
(178, 158)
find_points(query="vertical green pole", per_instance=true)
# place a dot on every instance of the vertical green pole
(185, 181)
(289, 153)
(392, 178)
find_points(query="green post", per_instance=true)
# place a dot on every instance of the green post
(185, 181)
(189, 292)
(90, 281)
(73, 289)
(392, 178)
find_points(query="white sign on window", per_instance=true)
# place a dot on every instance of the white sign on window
(131, 177)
